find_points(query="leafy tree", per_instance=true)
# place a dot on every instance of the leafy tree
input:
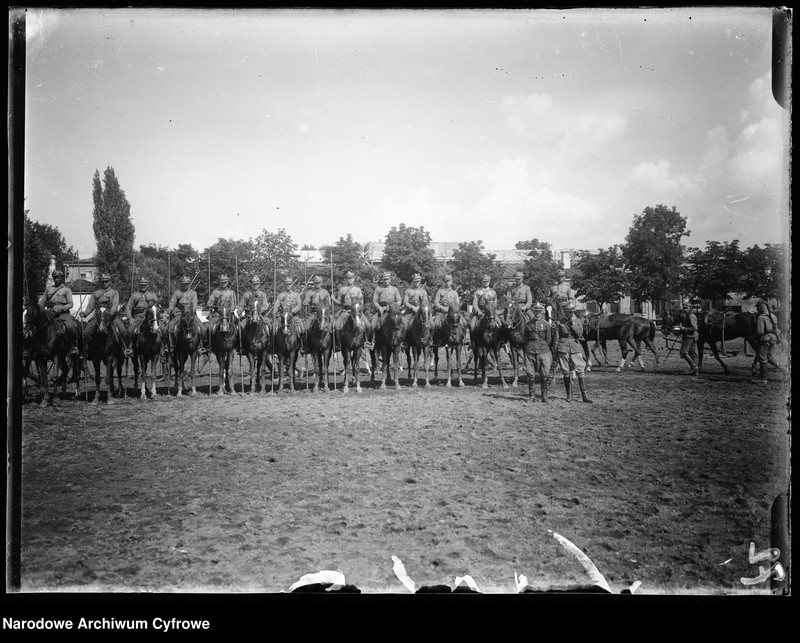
(408, 250)
(469, 265)
(540, 269)
(113, 230)
(652, 254)
(275, 257)
(716, 272)
(346, 254)
(601, 277)
(232, 258)
(764, 272)
(41, 240)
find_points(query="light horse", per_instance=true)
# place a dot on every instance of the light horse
(148, 346)
(419, 342)
(513, 333)
(286, 342)
(629, 330)
(103, 350)
(351, 341)
(187, 347)
(320, 336)
(450, 334)
(486, 341)
(256, 346)
(224, 341)
(44, 343)
(388, 341)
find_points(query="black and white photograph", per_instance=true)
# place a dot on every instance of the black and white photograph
(398, 301)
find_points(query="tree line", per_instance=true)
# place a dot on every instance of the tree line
(650, 265)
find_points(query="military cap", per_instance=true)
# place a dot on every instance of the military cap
(760, 302)
(57, 273)
(519, 273)
(317, 279)
(562, 273)
(255, 280)
(349, 274)
(143, 281)
(223, 278)
(288, 280)
(448, 277)
(416, 277)
(386, 275)
(538, 306)
(486, 279)
(185, 280)
(570, 307)
(105, 277)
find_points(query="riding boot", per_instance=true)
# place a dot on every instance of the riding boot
(530, 389)
(762, 375)
(582, 385)
(568, 386)
(544, 389)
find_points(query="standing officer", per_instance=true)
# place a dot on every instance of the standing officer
(106, 297)
(256, 299)
(444, 298)
(521, 293)
(688, 330)
(58, 298)
(414, 297)
(222, 296)
(482, 296)
(138, 303)
(315, 300)
(539, 343)
(183, 298)
(385, 295)
(569, 331)
(347, 295)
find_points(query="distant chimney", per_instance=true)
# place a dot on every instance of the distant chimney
(565, 258)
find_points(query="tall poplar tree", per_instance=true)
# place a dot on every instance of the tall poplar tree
(113, 230)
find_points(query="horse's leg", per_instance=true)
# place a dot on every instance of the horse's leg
(448, 351)
(458, 363)
(177, 363)
(384, 366)
(426, 351)
(500, 369)
(143, 391)
(398, 366)
(193, 369)
(44, 383)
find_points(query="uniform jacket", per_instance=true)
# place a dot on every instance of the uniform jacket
(415, 297)
(317, 299)
(384, 296)
(568, 335)
(522, 295)
(252, 296)
(539, 336)
(107, 297)
(183, 298)
(481, 297)
(222, 297)
(347, 295)
(59, 296)
(139, 302)
(562, 292)
(766, 323)
(289, 301)
(444, 297)
(689, 327)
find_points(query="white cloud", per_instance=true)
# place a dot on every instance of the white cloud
(659, 178)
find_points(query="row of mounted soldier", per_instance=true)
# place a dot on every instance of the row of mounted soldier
(540, 331)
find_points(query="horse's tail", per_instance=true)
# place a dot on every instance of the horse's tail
(652, 335)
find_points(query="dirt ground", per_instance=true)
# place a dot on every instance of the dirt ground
(665, 479)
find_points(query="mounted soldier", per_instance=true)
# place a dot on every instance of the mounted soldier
(315, 299)
(569, 331)
(255, 297)
(561, 293)
(445, 297)
(58, 299)
(414, 297)
(138, 304)
(184, 298)
(291, 303)
(106, 297)
(539, 343)
(385, 294)
(221, 297)
(482, 296)
(346, 296)
(521, 293)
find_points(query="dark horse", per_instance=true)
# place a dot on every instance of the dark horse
(45, 342)
(388, 341)
(287, 346)
(629, 330)
(224, 341)
(103, 349)
(320, 338)
(513, 333)
(450, 334)
(149, 342)
(256, 346)
(419, 343)
(187, 346)
(486, 341)
(351, 343)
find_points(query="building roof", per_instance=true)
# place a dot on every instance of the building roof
(82, 286)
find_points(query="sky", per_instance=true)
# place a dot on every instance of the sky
(494, 125)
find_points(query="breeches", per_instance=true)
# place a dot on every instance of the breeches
(538, 362)
(689, 347)
(571, 362)
(763, 353)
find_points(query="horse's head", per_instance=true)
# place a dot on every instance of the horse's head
(453, 313)
(151, 318)
(103, 319)
(224, 319)
(254, 312)
(670, 317)
(323, 321)
(355, 313)
(424, 314)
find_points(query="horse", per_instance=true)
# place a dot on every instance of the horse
(256, 340)
(44, 342)
(320, 337)
(103, 349)
(601, 328)
(450, 334)
(148, 346)
(486, 341)
(720, 326)
(187, 346)
(352, 338)
(224, 341)
(419, 343)
(388, 341)
(286, 342)
(513, 333)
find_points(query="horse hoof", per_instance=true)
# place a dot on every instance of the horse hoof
(484, 385)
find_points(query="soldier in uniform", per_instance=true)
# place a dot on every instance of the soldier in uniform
(539, 342)
(58, 298)
(384, 295)
(766, 336)
(183, 297)
(442, 301)
(315, 300)
(138, 303)
(347, 295)
(107, 297)
(290, 302)
(221, 296)
(482, 296)
(688, 330)
(414, 297)
(254, 297)
(521, 293)
(569, 331)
